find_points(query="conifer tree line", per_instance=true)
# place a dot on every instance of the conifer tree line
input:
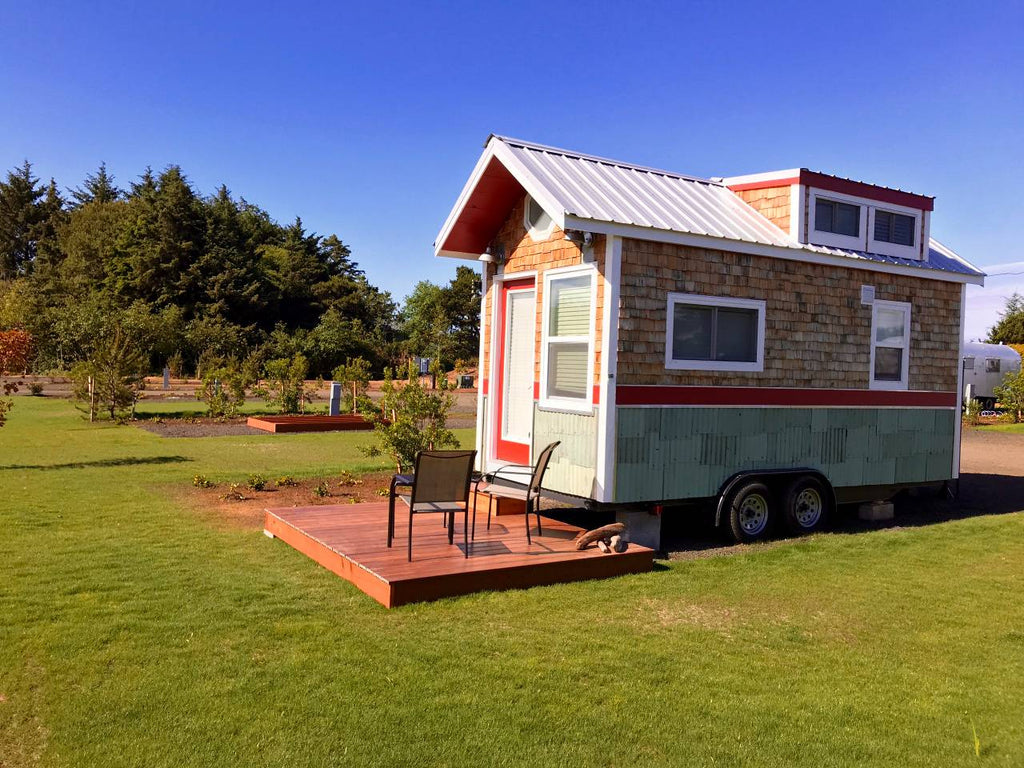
(186, 276)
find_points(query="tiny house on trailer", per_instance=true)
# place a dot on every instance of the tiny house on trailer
(985, 366)
(778, 342)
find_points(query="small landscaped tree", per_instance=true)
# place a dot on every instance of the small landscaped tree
(412, 419)
(354, 377)
(223, 387)
(285, 385)
(112, 377)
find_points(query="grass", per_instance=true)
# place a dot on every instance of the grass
(138, 631)
(1011, 428)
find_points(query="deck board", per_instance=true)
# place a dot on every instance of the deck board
(351, 541)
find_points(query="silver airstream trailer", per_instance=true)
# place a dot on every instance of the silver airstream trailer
(985, 365)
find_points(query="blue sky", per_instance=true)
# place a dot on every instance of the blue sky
(366, 119)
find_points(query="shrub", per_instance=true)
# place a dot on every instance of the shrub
(1010, 394)
(223, 387)
(35, 389)
(321, 490)
(285, 386)
(256, 482)
(286, 481)
(972, 413)
(347, 478)
(15, 351)
(234, 493)
(201, 481)
(413, 419)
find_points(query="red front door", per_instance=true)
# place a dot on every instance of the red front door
(516, 337)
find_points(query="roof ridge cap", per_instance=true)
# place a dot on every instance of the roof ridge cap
(603, 160)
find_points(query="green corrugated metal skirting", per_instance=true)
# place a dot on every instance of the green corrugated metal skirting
(679, 453)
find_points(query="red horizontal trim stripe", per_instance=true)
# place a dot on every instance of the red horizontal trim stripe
(768, 396)
(764, 184)
(870, 191)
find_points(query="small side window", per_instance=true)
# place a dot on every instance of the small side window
(968, 363)
(890, 345)
(992, 365)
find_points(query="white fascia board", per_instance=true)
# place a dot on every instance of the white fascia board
(958, 423)
(460, 203)
(760, 249)
(754, 178)
(458, 255)
(534, 187)
(607, 414)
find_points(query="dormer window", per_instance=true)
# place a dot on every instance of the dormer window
(894, 228)
(836, 217)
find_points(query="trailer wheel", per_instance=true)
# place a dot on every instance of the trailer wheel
(751, 511)
(805, 505)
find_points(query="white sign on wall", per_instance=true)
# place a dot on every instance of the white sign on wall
(867, 294)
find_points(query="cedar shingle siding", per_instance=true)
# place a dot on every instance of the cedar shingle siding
(522, 254)
(817, 333)
(770, 202)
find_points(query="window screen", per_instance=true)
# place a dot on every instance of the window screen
(894, 228)
(838, 218)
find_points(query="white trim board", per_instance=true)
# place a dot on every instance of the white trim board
(604, 475)
(794, 253)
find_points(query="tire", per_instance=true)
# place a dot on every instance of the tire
(751, 511)
(806, 505)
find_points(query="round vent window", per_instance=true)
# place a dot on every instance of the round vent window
(538, 223)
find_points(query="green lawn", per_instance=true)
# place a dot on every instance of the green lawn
(1011, 428)
(136, 631)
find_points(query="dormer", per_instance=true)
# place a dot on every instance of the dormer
(820, 209)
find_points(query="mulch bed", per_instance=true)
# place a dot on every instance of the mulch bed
(200, 427)
(249, 512)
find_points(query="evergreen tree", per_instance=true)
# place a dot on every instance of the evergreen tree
(1010, 328)
(99, 187)
(21, 212)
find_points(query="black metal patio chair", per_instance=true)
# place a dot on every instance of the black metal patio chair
(530, 493)
(440, 484)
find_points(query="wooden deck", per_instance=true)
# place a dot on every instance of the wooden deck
(351, 541)
(313, 423)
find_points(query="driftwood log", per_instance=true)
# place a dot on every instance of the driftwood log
(603, 534)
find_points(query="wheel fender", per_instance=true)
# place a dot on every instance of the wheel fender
(766, 474)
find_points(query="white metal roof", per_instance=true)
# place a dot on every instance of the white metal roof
(595, 188)
(583, 191)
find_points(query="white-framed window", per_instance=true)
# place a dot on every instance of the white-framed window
(836, 217)
(567, 340)
(890, 344)
(838, 220)
(714, 333)
(536, 220)
(894, 231)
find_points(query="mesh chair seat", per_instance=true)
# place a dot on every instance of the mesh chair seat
(439, 484)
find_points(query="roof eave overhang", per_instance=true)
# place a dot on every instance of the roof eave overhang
(793, 253)
(495, 149)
